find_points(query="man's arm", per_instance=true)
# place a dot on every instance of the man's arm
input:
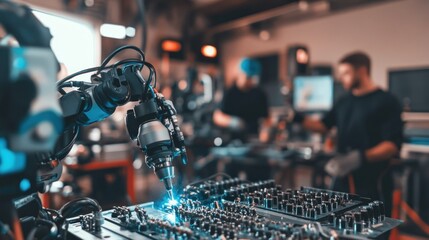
(224, 120)
(391, 132)
(381, 152)
(314, 125)
(221, 119)
(264, 133)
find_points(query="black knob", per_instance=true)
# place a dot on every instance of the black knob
(281, 205)
(342, 223)
(331, 218)
(311, 213)
(280, 195)
(289, 207)
(212, 229)
(231, 234)
(299, 210)
(328, 206)
(364, 215)
(275, 202)
(357, 216)
(382, 209)
(349, 220)
(219, 230)
(376, 208)
(268, 201)
(323, 208)
(319, 199)
(370, 212)
(346, 197)
(358, 227)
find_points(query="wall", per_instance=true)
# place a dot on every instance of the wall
(394, 34)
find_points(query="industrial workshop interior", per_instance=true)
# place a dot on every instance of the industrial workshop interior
(214, 119)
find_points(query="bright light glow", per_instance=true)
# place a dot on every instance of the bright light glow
(75, 41)
(138, 163)
(171, 46)
(264, 35)
(94, 134)
(183, 84)
(218, 141)
(130, 32)
(96, 148)
(209, 51)
(172, 202)
(113, 31)
(89, 3)
(171, 218)
(302, 56)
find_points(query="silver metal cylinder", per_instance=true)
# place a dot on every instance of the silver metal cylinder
(152, 132)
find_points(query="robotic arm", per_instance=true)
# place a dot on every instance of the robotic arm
(152, 122)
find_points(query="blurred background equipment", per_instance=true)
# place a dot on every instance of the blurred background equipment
(313, 93)
(298, 61)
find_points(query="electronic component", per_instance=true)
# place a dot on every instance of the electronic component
(232, 209)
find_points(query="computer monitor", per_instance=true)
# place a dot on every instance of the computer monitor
(313, 93)
(411, 86)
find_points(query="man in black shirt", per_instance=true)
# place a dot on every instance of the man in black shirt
(369, 129)
(244, 104)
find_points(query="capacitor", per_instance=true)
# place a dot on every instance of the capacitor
(358, 216)
(376, 208)
(342, 223)
(268, 201)
(358, 227)
(275, 202)
(289, 207)
(331, 218)
(349, 220)
(311, 213)
(364, 215)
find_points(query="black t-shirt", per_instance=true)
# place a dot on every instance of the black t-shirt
(249, 105)
(363, 122)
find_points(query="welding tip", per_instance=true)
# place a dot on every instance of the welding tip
(170, 194)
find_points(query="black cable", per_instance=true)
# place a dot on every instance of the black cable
(63, 152)
(148, 82)
(88, 70)
(111, 55)
(104, 63)
(142, 10)
(93, 69)
(73, 207)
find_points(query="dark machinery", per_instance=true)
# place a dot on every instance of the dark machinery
(232, 209)
(152, 122)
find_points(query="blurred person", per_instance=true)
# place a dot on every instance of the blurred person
(369, 131)
(245, 104)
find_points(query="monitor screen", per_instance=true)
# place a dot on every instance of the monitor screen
(313, 93)
(411, 88)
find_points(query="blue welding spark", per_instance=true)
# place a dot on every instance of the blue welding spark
(172, 202)
(171, 218)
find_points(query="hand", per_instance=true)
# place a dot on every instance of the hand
(237, 124)
(344, 164)
(294, 117)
